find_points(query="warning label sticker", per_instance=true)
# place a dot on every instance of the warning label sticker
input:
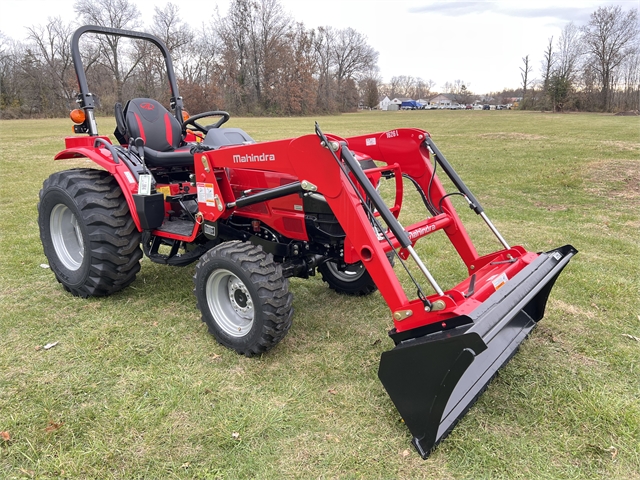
(370, 141)
(206, 194)
(499, 281)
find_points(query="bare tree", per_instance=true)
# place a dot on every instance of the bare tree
(202, 78)
(269, 50)
(525, 71)
(176, 35)
(630, 94)
(10, 54)
(323, 46)
(295, 93)
(253, 59)
(569, 51)
(409, 87)
(395, 87)
(561, 83)
(423, 88)
(253, 36)
(609, 36)
(351, 55)
(51, 45)
(233, 31)
(548, 61)
(116, 14)
(169, 27)
(402, 86)
(459, 91)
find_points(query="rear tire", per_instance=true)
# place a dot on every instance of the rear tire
(88, 235)
(243, 297)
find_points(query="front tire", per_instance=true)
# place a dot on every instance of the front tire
(243, 297)
(352, 280)
(88, 235)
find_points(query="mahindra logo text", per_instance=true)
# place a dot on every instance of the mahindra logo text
(263, 157)
(147, 106)
(421, 231)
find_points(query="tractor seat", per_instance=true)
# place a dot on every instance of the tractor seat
(161, 132)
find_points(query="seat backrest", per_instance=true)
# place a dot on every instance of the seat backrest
(148, 119)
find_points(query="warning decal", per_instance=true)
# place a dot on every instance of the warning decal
(206, 194)
(500, 281)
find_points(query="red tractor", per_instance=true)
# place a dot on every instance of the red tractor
(253, 214)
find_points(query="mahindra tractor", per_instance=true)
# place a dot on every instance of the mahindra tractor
(252, 214)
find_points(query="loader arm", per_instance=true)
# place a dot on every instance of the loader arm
(449, 343)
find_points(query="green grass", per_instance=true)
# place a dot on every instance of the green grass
(136, 388)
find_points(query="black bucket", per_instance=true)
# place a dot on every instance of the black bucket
(434, 379)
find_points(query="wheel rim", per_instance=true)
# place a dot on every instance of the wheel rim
(230, 303)
(349, 274)
(66, 236)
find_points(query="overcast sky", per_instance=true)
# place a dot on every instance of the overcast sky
(479, 42)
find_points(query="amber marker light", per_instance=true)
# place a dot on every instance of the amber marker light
(77, 116)
(185, 115)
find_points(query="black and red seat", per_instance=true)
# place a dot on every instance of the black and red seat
(162, 133)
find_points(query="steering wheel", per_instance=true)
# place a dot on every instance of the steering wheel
(191, 121)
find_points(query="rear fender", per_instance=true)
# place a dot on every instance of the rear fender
(82, 147)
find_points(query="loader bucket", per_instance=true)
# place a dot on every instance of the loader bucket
(434, 379)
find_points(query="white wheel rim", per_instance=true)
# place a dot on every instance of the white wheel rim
(66, 236)
(230, 303)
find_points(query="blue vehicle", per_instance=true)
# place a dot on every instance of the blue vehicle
(410, 105)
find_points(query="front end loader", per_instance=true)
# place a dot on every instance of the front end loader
(251, 215)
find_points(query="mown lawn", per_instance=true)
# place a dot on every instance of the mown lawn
(137, 388)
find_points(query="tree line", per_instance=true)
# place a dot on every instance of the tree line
(592, 67)
(256, 60)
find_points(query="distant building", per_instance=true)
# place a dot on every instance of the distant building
(398, 101)
(384, 102)
(442, 100)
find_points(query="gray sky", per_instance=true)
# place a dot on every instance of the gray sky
(479, 42)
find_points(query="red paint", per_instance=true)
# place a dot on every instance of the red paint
(235, 169)
(168, 129)
(142, 135)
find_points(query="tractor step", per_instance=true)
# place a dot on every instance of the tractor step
(180, 227)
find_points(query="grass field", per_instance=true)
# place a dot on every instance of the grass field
(137, 388)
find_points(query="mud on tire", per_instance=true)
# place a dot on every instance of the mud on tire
(88, 235)
(243, 297)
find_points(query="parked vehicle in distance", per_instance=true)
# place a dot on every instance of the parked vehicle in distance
(486, 107)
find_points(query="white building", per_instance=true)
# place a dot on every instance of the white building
(384, 103)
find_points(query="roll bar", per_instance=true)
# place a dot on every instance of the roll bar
(86, 97)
